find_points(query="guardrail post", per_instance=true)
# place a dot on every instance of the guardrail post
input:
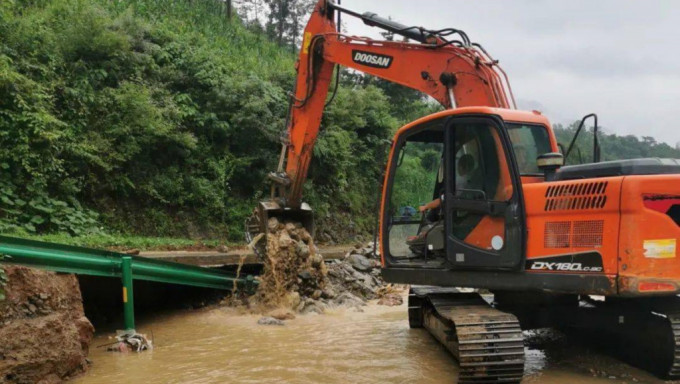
(249, 284)
(128, 294)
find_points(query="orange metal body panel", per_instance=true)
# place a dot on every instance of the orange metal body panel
(532, 179)
(642, 226)
(486, 230)
(509, 115)
(411, 60)
(573, 205)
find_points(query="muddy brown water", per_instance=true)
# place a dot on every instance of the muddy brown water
(343, 346)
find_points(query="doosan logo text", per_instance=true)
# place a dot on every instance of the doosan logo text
(371, 60)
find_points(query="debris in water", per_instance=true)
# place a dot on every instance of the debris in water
(282, 314)
(270, 321)
(130, 342)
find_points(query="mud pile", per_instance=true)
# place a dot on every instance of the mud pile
(44, 334)
(296, 278)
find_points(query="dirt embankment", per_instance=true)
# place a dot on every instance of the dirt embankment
(44, 334)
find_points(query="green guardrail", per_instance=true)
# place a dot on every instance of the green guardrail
(96, 262)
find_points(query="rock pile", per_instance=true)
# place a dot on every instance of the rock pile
(359, 274)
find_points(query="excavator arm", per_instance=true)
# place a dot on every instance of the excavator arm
(456, 73)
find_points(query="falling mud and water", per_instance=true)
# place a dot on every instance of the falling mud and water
(293, 269)
(296, 279)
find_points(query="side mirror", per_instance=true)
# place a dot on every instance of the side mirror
(549, 163)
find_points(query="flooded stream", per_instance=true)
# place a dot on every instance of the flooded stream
(344, 346)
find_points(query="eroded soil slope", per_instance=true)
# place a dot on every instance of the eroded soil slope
(44, 334)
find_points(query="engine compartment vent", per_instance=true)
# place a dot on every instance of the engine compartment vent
(576, 234)
(557, 234)
(576, 196)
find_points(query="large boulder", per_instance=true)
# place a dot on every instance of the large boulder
(360, 262)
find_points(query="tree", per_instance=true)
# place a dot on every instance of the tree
(285, 20)
(251, 11)
(648, 140)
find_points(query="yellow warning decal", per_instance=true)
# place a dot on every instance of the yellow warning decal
(306, 42)
(660, 249)
(124, 294)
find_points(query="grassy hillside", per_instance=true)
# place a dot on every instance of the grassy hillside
(161, 118)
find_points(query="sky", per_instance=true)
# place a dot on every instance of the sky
(617, 58)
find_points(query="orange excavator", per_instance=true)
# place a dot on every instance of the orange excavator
(590, 249)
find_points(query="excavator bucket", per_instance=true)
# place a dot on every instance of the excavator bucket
(257, 225)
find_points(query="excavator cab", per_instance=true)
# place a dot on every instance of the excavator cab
(464, 164)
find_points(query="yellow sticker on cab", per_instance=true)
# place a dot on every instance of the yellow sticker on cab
(660, 249)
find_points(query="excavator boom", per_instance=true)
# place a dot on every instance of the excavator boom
(453, 73)
(456, 73)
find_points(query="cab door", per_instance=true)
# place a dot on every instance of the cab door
(483, 202)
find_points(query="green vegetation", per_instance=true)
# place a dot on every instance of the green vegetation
(159, 118)
(612, 146)
(130, 119)
(124, 242)
(416, 176)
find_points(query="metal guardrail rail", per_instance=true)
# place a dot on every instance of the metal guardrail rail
(95, 262)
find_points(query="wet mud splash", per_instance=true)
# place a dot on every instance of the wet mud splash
(293, 269)
(296, 279)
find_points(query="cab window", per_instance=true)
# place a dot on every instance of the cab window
(418, 181)
(528, 142)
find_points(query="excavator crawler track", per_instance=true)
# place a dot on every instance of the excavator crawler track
(674, 371)
(661, 344)
(644, 333)
(487, 343)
